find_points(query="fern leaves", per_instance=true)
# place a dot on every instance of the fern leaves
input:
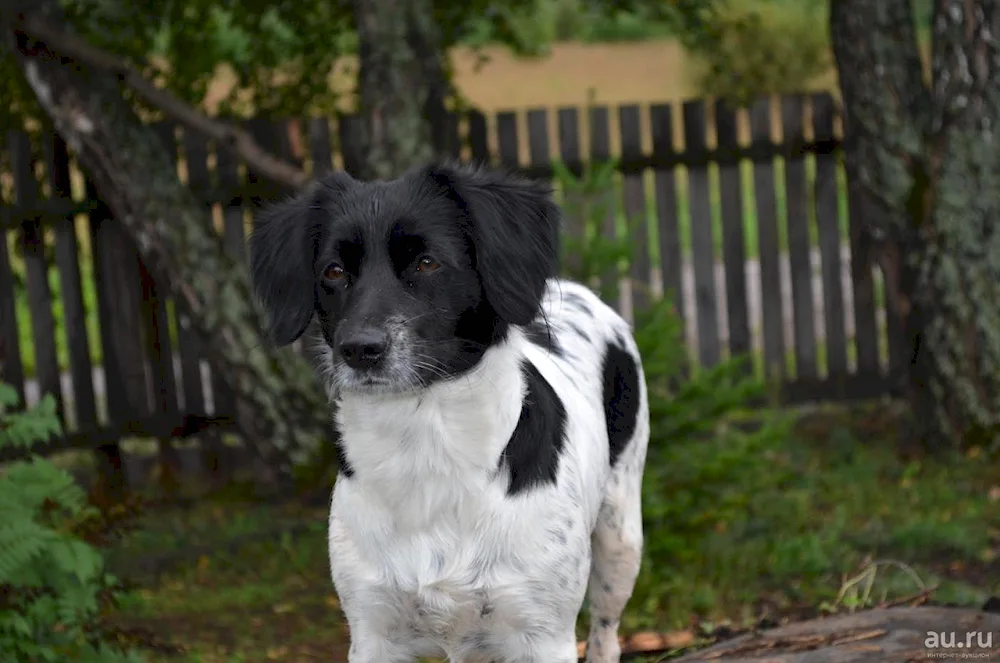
(51, 580)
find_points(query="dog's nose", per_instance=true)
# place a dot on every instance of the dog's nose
(364, 349)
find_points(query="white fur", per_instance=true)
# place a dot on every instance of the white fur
(429, 555)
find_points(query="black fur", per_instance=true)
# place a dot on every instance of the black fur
(532, 454)
(493, 235)
(282, 255)
(621, 398)
(542, 335)
(345, 465)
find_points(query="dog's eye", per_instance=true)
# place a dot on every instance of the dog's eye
(333, 272)
(427, 264)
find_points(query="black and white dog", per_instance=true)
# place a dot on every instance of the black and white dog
(493, 418)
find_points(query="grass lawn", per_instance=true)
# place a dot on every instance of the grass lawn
(777, 533)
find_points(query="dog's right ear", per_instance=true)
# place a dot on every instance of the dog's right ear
(282, 251)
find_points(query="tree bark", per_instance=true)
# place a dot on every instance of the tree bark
(281, 411)
(929, 156)
(401, 85)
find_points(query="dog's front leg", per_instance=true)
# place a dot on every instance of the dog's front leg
(369, 646)
(542, 649)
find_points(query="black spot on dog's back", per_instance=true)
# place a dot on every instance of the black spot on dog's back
(532, 454)
(621, 398)
(540, 334)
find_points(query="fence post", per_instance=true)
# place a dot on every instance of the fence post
(479, 137)
(799, 249)
(67, 258)
(702, 237)
(574, 227)
(635, 207)
(830, 242)
(734, 259)
(600, 153)
(11, 366)
(106, 240)
(667, 213)
(36, 272)
(768, 246)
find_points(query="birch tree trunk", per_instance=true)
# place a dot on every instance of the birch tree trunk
(281, 411)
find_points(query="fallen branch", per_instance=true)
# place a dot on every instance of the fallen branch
(227, 135)
(912, 600)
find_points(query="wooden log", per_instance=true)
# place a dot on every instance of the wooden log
(881, 635)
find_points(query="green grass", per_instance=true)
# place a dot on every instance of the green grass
(812, 507)
(780, 528)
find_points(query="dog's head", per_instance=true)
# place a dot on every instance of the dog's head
(410, 280)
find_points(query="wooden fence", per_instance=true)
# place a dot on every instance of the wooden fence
(743, 215)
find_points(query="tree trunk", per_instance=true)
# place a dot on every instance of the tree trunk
(401, 85)
(881, 635)
(929, 157)
(281, 410)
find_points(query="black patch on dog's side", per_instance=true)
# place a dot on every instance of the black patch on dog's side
(532, 454)
(540, 334)
(621, 398)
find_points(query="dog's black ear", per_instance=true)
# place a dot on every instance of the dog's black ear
(282, 250)
(515, 229)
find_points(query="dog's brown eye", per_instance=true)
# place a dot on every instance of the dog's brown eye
(427, 264)
(333, 272)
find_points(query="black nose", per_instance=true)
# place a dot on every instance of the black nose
(364, 349)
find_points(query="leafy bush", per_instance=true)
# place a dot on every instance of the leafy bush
(533, 27)
(702, 467)
(52, 580)
(755, 47)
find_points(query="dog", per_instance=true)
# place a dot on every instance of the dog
(492, 417)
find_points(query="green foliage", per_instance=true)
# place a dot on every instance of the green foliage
(52, 580)
(754, 47)
(531, 28)
(284, 52)
(590, 198)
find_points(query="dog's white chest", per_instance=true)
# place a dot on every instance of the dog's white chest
(452, 583)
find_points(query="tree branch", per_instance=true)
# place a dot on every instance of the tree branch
(231, 137)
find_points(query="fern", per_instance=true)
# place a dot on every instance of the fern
(52, 580)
